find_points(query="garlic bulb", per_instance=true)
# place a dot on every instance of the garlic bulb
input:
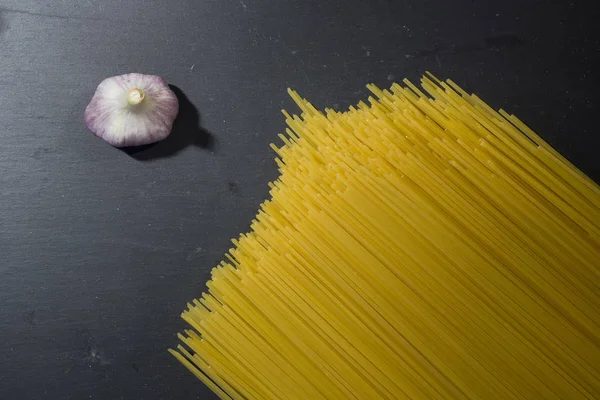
(132, 110)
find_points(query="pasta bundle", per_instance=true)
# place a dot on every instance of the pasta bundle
(420, 246)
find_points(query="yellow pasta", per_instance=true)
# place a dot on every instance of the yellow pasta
(420, 246)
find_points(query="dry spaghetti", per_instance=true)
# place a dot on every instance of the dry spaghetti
(421, 246)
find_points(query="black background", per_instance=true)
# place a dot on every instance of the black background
(100, 249)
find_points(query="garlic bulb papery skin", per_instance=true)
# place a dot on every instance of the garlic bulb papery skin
(132, 110)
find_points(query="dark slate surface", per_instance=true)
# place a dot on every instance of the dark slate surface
(100, 249)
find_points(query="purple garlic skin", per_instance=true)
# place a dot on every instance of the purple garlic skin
(132, 110)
